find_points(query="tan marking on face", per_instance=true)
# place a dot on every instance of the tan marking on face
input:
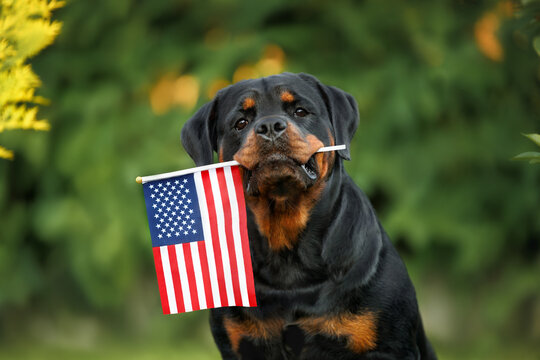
(359, 329)
(325, 160)
(252, 328)
(300, 148)
(286, 96)
(248, 103)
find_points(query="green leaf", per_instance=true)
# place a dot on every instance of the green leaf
(531, 156)
(534, 137)
(536, 44)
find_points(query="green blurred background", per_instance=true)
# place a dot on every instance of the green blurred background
(445, 89)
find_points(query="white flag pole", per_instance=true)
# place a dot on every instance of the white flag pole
(145, 179)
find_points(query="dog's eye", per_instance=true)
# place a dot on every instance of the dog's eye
(240, 124)
(300, 112)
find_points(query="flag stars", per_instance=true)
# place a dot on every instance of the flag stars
(174, 208)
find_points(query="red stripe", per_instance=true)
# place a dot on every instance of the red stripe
(161, 281)
(191, 277)
(205, 275)
(176, 279)
(212, 218)
(237, 179)
(229, 235)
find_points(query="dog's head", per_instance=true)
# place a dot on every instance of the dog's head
(273, 127)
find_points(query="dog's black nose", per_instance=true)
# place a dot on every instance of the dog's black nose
(271, 128)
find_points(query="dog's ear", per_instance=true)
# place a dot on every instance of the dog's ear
(199, 134)
(343, 112)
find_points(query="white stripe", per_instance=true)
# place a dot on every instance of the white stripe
(184, 282)
(236, 235)
(222, 237)
(207, 239)
(145, 179)
(198, 274)
(168, 279)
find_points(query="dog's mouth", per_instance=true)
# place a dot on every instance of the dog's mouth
(310, 168)
(280, 176)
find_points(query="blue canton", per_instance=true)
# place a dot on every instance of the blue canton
(173, 211)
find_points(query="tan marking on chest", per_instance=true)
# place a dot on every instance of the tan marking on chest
(359, 329)
(251, 328)
(282, 222)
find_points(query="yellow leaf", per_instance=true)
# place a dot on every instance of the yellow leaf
(5, 153)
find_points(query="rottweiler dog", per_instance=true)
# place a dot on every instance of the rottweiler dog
(329, 283)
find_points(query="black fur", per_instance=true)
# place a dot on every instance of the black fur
(343, 261)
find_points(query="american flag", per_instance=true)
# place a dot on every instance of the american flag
(199, 238)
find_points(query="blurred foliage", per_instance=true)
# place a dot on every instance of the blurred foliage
(529, 13)
(444, 88)
(25, 29)
(533, 157)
